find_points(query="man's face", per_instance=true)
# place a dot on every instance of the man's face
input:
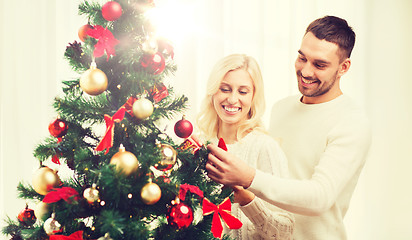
(318, 70)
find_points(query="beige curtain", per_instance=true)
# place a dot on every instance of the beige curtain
(34, 35)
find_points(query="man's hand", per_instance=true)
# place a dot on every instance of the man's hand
(242, 196)
(227, 169)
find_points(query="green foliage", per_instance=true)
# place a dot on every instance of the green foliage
(120, 210)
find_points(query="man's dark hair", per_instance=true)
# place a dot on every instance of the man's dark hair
(335, 30)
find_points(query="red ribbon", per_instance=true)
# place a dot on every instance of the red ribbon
(106, 41)
(74, 236)
(129, 105)
(107, 140)
(222, 211)
(186, 187)
(58, 194)
(222, 144)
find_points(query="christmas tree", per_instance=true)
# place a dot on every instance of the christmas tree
(131, 180)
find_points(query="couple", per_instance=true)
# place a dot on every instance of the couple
(324, 140)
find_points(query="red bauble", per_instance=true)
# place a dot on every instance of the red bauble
(27, 217)
(179, 215)
(58, 128)
(111, 11)
(83, 32)
(183, 128)
(154, 63)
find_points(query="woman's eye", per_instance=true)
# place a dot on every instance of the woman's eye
(225, 90)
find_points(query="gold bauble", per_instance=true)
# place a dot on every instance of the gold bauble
(126, 162)
(93, 81)
(142, 108)
(150, 193)
(44, 179)
(91, 194)
(41, 210)
(105, 237)
(168, 155)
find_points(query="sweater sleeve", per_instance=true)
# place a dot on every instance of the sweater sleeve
(340, 163)
(270, 222)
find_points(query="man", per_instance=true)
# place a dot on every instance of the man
(325, 137)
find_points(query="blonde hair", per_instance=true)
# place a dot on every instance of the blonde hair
(207, 120)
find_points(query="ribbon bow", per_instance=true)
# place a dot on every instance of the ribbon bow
(106, 41)
(222, 211)
(74, 236)
(107, 140)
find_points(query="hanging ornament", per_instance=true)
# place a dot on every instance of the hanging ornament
(165, 46)
(44, 179)
(111, 11)
(82, 33)
(222, 144)
(105, 41)
(153, 63)
(126, 162)
(41, 210)
(107, 140)
(149, 46)
(150, 193)
(58, 128)
(51, 225)
(105, 237)
(93, 81)
(91, 194)
(159, 92)
(179, 215)
(26, 216)
(183, 128)
(142, 108)
(168, 157)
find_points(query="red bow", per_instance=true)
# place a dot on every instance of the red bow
(222, 211)
(74, 236)
(58, 194)
(107, 141)
(159, 92)
(106, 41)
(186, 187)
(129, 105)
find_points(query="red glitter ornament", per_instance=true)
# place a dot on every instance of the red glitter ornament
(27, 217)
(183, 128)
(83, 32)
(111, 11)
(154, 63)
(58, 128)
(179, 215)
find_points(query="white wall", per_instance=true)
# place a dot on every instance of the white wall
(34, 35)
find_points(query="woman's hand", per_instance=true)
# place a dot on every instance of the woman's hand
(242, 196)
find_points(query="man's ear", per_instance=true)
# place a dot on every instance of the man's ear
(344, 67)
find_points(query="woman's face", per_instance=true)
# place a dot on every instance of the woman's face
(233, 100)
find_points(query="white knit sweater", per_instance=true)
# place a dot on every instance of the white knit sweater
(260, 219)
(326, 146)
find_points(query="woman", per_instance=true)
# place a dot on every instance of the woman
(232, 110)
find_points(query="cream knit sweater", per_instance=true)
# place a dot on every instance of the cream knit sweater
(260, 219)
(326, 146)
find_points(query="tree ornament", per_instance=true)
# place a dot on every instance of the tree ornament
(51, 225)
(41, 210)
(91, 194)
(149, 46)
(126, 162)
(168, 157)
(142, 108)
(82, 33)
(183, 128)
(58, 128)
(179, 215)
(153, 63)
(44, 179)
(150, 193)
(111, 11)
(105, 237)
(93, 81)
(27, 216)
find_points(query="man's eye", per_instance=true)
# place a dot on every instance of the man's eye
(320, 66)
